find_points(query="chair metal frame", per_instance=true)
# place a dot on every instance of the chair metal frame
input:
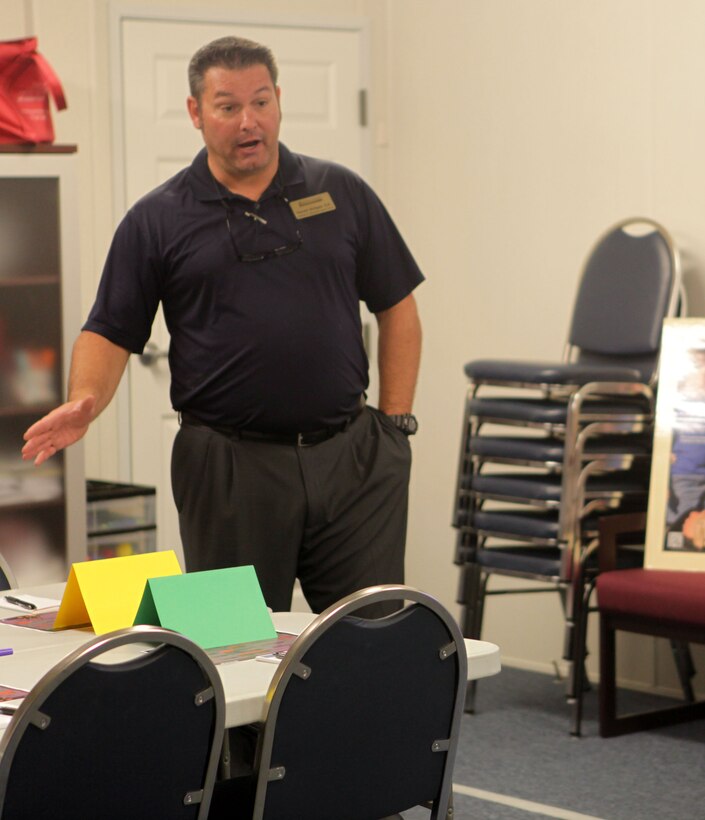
(294, 665)
(30, 713)
(581, 413)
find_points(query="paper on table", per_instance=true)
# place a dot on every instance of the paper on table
(8, 710)
(43, 619)
(11, 693)
(39, 603)
(252, 649)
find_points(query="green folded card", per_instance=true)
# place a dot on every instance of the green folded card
(217, 607)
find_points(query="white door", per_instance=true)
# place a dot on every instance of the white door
(321, 75)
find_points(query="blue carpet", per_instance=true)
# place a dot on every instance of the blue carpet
(518, 745)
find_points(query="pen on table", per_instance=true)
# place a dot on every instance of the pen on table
(7, 651)
(272, 657)
(8, 710)
(19, 602)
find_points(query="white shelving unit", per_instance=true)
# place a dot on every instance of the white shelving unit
(42, 510)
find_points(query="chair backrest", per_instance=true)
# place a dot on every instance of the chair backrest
(630, 284)
(137, 735)
(363, 715)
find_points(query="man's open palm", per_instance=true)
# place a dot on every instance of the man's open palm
(58, 429)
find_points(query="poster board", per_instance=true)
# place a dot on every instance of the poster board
(675, 527)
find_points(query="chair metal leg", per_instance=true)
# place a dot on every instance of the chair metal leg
(571, 653)
(581, 681)
(470, 695)
(465, 460)
(472, 596)
(465, 548)
(576, 602)
(608, 683)
(224, 764)
(685, 668)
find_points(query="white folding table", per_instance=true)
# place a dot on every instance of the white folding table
(245, 682)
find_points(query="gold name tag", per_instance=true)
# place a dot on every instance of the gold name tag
(312, 205)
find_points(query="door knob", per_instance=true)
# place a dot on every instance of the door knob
(152, 354)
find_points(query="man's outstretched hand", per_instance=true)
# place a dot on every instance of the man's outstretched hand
(58, 429)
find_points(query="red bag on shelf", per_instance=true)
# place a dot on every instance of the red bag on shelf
(26, 81)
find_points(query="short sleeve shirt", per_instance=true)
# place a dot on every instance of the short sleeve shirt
(271, 344)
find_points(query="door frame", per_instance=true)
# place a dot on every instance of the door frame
(118, 13)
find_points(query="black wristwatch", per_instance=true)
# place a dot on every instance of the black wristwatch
(406, 423)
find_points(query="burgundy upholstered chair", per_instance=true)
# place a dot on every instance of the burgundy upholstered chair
(664, 603)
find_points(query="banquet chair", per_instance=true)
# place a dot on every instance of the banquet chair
(660, 603)
(362, 717)
(135, 734)
(548, 447)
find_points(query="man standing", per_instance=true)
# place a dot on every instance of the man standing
(260, 258)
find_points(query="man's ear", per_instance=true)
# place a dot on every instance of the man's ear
(194, 112)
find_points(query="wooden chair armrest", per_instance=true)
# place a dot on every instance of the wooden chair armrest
(610, 529)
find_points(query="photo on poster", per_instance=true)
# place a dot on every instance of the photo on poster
(675, 535)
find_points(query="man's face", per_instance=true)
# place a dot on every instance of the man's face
(239, 117)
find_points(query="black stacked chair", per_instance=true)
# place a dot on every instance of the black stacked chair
(362, 717)
(135, 736)
(548, 447)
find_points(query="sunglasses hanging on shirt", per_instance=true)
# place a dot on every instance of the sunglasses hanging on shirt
(255, 237)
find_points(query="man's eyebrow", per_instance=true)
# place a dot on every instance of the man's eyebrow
(263, 90)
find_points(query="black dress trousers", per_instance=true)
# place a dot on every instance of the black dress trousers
(332, 514)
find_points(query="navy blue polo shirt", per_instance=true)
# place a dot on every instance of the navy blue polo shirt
(273, 345)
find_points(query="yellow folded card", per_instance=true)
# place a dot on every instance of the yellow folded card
(107, 593)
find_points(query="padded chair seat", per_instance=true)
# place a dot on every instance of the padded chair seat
(544, 560)
(548, 487)
(666, 595)
(518, 448)
(546, 411)
(551, 450)
(524, 524)
(527, 372)
(530, 560)
(537, 524)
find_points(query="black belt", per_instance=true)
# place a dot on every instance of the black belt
(297, 439)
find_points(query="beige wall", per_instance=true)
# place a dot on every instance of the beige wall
(520, 130)
(507, 135)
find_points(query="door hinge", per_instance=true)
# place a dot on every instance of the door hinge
(362, 105)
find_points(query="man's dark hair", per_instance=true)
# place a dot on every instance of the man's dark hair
(228, 52)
